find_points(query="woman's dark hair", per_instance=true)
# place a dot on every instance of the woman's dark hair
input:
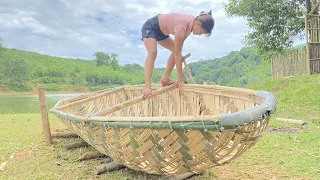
(207, 21)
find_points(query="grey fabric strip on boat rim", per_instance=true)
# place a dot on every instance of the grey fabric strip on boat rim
(244, 117)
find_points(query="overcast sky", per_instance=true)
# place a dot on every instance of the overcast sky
(78, 28)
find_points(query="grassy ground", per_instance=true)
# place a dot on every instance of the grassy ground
(285, 151)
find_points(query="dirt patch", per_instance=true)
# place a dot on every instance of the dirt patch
(287, 130)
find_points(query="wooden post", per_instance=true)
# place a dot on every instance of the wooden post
(44, 115)
(307, 46)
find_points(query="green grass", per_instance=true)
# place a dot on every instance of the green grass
(286, 151)
(21, 134)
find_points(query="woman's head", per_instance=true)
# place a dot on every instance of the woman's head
(203, 24)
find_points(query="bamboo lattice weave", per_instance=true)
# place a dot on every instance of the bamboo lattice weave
(178, 131)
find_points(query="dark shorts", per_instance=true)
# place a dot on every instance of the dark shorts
(151, 29)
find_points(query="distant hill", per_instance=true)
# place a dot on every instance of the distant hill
(23, 71)
(238, 68)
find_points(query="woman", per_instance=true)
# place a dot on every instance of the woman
(157, 30)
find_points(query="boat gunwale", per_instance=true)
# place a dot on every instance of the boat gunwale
(223, 121)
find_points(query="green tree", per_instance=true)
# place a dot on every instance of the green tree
(114, 61)
(132, 67)
(16, 74)
(2, 49)
(102, 58)
(274, 24)
(80, 81)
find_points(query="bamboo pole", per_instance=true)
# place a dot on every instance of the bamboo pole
(90, 155)
(187, 68)
(76, 145)
(133, 101)
(44, 115)
(107, 167)
(64, 135)
(293, 121)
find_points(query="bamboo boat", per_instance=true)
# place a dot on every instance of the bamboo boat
(178, 130)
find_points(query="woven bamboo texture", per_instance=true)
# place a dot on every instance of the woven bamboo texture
(175, 132)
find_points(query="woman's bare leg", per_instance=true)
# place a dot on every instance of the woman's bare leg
(168, 44)
(151, 46)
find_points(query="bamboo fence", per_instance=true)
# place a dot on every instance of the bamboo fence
(313, 34)
(305, 60)
(291, 63)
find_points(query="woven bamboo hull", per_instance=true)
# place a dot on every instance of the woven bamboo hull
(171, 133)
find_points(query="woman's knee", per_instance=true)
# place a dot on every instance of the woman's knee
(152, 53)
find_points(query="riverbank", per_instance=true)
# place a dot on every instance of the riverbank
(48, 92)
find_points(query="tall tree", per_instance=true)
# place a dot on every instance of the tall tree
(114, 61)
(274, 24)
(102, 58)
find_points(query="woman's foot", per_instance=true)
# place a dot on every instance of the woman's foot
(166, 81)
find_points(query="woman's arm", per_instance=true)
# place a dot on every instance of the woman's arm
(178, 43)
